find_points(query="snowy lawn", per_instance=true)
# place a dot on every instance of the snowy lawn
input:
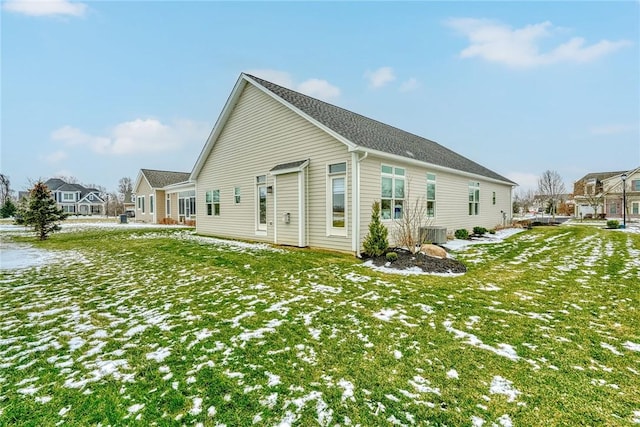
(163, 327)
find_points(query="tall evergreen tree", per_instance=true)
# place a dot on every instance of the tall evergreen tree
(41, 211)
(8, 209)
(376, 242)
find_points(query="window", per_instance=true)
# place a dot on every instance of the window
(336, 203)
(493, 198)
(187, 203)
(392, 192)
(141, 203)
(212, 200)
(474, 198)
(635, 185)
(261, 202)
(635, 208)
(613, 208)
(68, 197)
(431, 195)
(168, 205)
(236, 195)
(151, 203)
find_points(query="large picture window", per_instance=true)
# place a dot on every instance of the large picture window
(474, 198)
(337, 199)
(392, 192)
(431, 195)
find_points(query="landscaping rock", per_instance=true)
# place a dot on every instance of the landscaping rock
(433, 251)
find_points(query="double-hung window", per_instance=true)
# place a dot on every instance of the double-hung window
(392, 192)
(474, 198)
(635, 185)
(431, 195)
(150, 203)
(337, 199)
(141, 203)
(212, 200)
(236, 195)
(261, 203)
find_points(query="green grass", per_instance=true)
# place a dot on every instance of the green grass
(204, 332)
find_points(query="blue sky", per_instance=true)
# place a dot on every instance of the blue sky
(98, 90)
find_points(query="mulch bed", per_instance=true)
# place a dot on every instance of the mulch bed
(427, 263)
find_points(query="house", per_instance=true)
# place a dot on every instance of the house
(164, 197)
(613, 194)
(285, 168)
(76, 199)
(588, 194)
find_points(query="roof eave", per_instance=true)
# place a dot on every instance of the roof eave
(395, 157)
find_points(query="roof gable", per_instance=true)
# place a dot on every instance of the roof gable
(159, 179)
(354, 130)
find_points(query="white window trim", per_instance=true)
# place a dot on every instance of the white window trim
(331, 230)
(475, 185)
(435, 196)
(261, 229)
(393, 177)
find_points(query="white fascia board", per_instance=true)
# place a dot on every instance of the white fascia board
(139, 180)
(397, 158)
(179, 186)
(291, 170)
(304, 115)
(217, 128)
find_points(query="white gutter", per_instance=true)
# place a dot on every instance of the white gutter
(416, 162)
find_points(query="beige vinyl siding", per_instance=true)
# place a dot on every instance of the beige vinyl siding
(452, 197)
(260, 134)
(144, 189)
(160, 205)
(286, 190)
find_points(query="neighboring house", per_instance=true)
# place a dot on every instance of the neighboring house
(76, 199)
(588, 194)
(285, 168)
(613, 199)
(164, 196)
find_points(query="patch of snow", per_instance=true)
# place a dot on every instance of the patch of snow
(500, 385)
(504, 350)
(476, 421)
(453, 374)
(385, 314)
(197, 406)
(397, 354)
(274, 379)
(611, 348)
(159, 355)
(631, 346)
(347, 390)
(43, 399)
(135, 408)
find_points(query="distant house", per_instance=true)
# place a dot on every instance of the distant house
(76, 199)
(613, 194)
(286, 168)
(589, 195)
(164, 197)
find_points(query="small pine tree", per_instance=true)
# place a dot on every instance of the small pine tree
(376, 242)
(8, 209)
(41, 211)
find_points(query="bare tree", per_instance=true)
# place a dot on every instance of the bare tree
(550, 186)
(125, 188)
(407, 229)
(5, 189)
(68, 179)
(523, 200)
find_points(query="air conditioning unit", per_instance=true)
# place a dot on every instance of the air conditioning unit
(433, 234)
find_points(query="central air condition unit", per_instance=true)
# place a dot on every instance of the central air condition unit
(433, 234)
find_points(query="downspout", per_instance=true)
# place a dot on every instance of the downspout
(355, 186)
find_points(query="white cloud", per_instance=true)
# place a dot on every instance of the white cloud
(314, 87)
(525, 180)
(380, 77)
(497, 42)
(136, 136)
(45, 7)
(613, 129)
(409, 85)
(317, 88)
(55, 157)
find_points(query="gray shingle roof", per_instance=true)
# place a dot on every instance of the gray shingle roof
(599, 176)
(159, 179)
(290, 165)
(372, 134)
